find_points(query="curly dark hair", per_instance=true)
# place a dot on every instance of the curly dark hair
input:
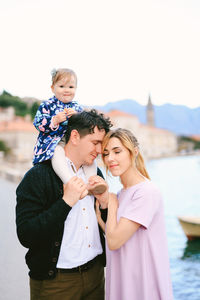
(86, 121)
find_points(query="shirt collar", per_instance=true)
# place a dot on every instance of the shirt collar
(56, 99)
(72, 166)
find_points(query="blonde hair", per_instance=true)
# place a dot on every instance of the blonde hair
(58, 74)
(130, 142)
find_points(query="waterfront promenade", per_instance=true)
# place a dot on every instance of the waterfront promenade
(14, 280)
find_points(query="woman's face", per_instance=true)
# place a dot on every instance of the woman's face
(117, 158)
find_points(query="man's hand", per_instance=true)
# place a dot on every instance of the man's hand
(73, 190)
(102, 198)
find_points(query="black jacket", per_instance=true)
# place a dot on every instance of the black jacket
(40, 217)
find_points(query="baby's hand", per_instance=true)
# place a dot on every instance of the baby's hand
(59, 118)
(69, 112)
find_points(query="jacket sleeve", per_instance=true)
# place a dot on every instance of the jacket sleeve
(36, 219)
(104, 212)
(43, 118)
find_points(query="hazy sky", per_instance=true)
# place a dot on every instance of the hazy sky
(120, 49)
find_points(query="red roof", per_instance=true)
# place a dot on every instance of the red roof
(18, 124)
(118, 113)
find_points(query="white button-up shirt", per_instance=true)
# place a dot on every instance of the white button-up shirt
(81, 239)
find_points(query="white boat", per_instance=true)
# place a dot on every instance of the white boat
(190, 226)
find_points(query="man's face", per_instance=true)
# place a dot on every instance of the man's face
(90, 146)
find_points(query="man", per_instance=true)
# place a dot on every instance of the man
(66, 249)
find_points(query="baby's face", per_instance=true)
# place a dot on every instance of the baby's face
(64, 89)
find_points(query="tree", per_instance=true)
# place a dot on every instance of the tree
(6, 100)
(33, 109)
(3, 147)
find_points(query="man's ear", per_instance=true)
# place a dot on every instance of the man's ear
(75, 137)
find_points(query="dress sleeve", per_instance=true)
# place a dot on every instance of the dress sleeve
(43, 118)
(142, 206)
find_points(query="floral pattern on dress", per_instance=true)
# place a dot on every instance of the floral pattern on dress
(49, 136)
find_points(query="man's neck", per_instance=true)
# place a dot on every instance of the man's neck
(71, 154)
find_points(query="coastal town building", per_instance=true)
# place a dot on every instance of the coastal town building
(154, 142)
(7, 114)
(20, 135)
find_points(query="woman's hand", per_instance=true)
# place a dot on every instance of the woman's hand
(98, 214)
(102, 198)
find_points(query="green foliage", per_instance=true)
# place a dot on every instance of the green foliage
(197, 145)
(33, 109)
(3, 147)
(21, 107)
(190, 140)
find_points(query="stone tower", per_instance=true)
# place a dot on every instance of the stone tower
(150, 117)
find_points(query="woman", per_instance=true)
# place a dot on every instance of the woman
(137, 254)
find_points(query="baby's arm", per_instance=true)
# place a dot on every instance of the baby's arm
(63, 115)
(43, 118)
(59, 118)
(46, 118)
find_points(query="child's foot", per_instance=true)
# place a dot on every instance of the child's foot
(97, 188)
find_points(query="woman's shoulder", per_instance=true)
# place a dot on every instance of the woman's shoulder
(150, 185)
(145, 188)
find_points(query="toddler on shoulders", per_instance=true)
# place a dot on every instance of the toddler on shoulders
(51, 121)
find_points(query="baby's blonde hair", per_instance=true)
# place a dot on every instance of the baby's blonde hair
(58, 74)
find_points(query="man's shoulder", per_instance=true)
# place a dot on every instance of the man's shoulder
(39, 169)
(38, 175)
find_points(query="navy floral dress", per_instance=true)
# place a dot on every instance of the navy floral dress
(49, 136)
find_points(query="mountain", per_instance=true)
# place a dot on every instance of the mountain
(179, 119)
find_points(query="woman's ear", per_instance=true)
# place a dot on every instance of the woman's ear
(136, 151)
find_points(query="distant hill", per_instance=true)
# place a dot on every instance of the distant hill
(179, 119)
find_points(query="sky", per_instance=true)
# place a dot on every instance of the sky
(119, 49)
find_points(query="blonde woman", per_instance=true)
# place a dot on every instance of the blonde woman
(137, 253)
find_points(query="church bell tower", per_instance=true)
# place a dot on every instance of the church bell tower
(150, 116)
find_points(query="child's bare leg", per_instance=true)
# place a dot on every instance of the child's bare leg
(60, 166)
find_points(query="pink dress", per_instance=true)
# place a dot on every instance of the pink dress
(139, 270)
